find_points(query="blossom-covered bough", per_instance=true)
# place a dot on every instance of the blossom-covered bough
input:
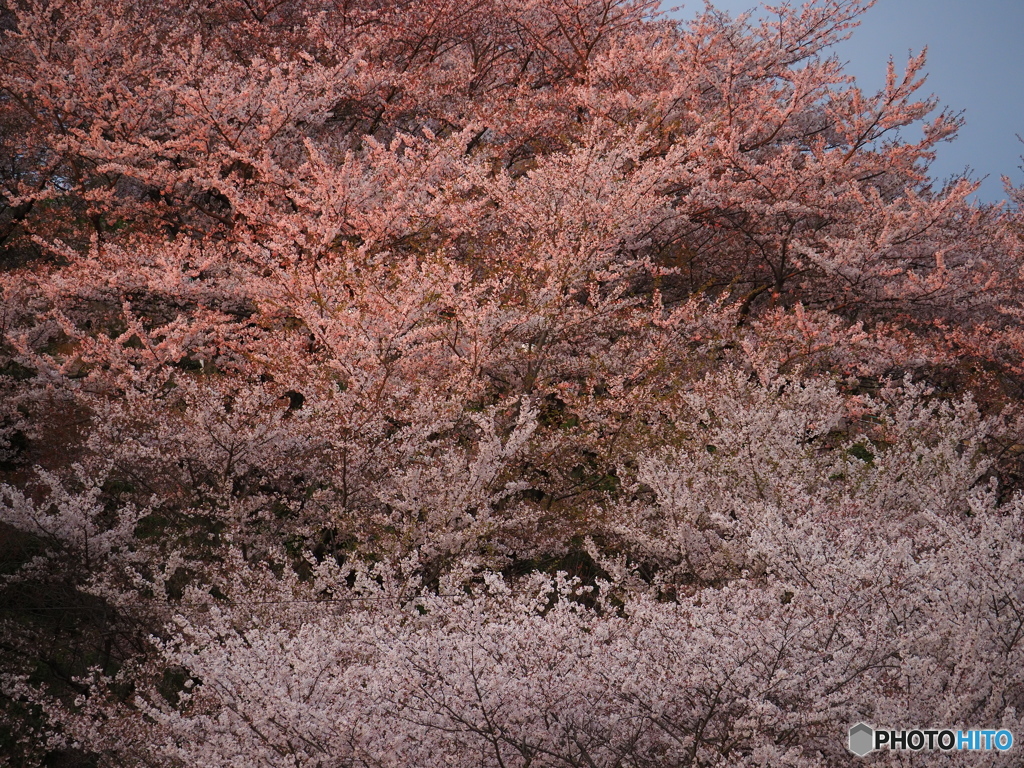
(509, 383)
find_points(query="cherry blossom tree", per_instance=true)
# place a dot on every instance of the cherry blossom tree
(535, 382)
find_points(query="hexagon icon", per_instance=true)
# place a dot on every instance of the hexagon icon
(862, 738)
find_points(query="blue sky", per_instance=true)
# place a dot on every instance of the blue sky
(975, 65)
